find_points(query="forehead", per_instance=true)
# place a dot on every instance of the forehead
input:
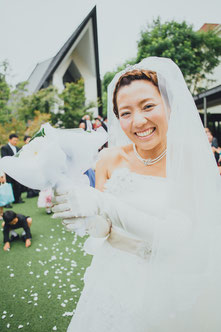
(137, 90)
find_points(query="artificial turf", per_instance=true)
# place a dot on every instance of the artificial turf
(40, 285)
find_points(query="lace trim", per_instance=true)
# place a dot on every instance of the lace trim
(124, 179)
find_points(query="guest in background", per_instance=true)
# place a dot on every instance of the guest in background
(86, 123)
(97, 123)
(27, 139)
(2, 180)
(213, 142)
(30, 192)
(11, 149)
(82, 124)
(13, 221)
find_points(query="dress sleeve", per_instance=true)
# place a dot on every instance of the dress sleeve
(171, 229)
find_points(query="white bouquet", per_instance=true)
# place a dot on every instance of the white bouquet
(54, 157)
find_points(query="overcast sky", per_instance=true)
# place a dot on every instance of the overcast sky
(34, 30)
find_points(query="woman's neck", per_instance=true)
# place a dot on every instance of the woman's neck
(152, 153)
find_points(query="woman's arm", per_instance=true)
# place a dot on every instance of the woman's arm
(96, 226)
(101, 173)
(110, 159)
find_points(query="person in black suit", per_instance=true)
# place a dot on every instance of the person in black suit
(30, 192)
(11, 149)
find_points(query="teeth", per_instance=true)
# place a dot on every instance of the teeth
(145, 133)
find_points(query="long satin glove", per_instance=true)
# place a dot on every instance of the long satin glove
(79, 210)
(95, 226)
(103, 209)
(89, 202)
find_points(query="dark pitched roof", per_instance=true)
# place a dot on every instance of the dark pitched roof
(45, 70)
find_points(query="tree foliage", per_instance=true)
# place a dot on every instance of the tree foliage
(73, 108)
(35, 124)
(23, 114)
(43, 101)
(197, 53)
(14, 126)
(5, 114)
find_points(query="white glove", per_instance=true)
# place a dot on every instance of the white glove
(79, 210)
(96, 226)
(104, 210)
(88, 202)
(82, 201)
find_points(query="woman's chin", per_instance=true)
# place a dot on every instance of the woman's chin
(145, 143)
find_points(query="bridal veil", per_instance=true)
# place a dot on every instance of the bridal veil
(186, 256)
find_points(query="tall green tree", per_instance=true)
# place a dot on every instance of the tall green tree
(44, 101)
(197, 53)
(73, 108)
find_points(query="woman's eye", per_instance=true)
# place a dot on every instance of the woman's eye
(148, 107)
(124, 114)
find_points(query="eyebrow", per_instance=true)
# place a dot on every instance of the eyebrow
(141, 102)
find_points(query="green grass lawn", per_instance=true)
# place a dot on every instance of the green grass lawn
(41, 285)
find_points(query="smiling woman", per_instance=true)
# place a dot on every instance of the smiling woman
(140, 108)
(157, 208)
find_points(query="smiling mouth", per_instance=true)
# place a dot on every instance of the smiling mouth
(145, 133)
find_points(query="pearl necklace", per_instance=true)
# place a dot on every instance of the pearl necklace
(148, 162)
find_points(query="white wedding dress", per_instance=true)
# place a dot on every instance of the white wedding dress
(128, 288)
(114, 297)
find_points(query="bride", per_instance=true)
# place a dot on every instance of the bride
(156, 208)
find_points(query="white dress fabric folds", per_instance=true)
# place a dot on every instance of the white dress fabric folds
(126, 291)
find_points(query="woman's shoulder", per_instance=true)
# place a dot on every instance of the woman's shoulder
(114, 154)
(109, 160)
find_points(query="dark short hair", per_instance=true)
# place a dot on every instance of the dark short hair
(8, 216)
(128, 77)
(25, 137)
(12, 136)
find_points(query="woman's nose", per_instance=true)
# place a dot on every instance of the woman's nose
(139, 119)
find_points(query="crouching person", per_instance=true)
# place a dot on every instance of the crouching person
(13, 221)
